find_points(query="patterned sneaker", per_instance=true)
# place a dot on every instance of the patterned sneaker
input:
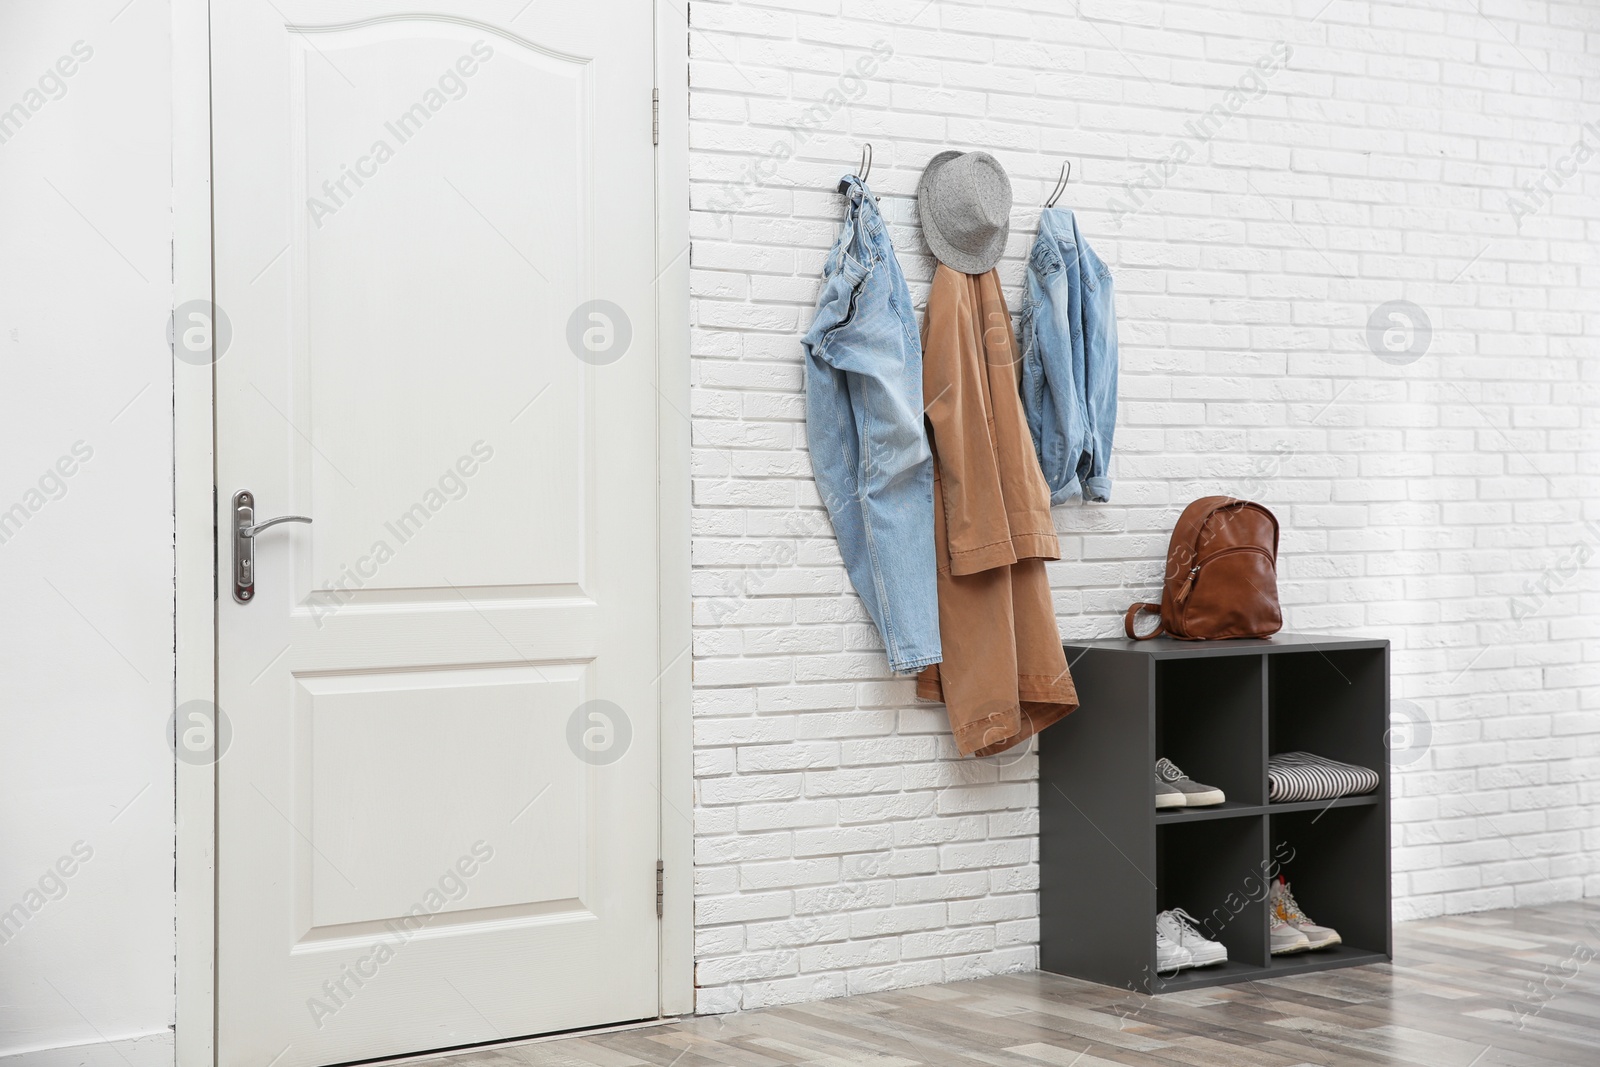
(1283, 937)
(1195, 795)
(1284, 908)
(1178, 927)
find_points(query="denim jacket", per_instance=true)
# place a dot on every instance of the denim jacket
(1069, 360)
(864, 425)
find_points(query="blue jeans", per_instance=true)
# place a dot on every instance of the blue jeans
(869, 449)
(1069, 360)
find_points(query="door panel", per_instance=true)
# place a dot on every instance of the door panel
(374, 805)
(492, 194)
(419, 844)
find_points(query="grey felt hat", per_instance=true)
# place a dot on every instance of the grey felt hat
(964, 201)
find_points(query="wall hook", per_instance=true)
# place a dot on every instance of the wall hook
(863, 168)
(1061, 184)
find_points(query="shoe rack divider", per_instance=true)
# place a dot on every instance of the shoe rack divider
(1108, 861)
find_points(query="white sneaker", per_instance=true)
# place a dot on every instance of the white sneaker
(1282, 904)
(1171, 957)
(1178, 927)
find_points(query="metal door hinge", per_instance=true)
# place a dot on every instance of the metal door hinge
(655, 116)
(659, 887)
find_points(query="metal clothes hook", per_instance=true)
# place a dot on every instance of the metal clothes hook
(1061, 184)
(863, 168)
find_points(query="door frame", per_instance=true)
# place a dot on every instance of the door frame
(197, 550)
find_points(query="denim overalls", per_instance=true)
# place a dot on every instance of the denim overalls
(869, 449)
(1069, 360)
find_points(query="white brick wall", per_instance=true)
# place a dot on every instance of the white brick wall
(841, 847)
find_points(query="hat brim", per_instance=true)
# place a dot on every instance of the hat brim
(981, 262)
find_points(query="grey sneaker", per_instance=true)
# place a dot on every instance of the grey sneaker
(1283, 907)
(1168, 795)
(1285, 938)
(1195, 795)
(1177, 927)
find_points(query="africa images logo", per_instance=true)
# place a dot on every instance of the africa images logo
(451, 887)
(452, 85)
(1399, 332)
(452, 485)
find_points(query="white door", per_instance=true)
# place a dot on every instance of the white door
(437, 809)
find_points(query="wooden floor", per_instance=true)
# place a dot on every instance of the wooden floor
(1496, 988)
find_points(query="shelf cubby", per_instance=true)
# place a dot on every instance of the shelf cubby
(1109, 861)
(1327, 855)
(1215, 861)
(1208, 714)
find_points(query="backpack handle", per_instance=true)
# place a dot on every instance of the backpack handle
(1127, 622)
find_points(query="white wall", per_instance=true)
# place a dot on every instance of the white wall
(86, 644)
(1439, 504)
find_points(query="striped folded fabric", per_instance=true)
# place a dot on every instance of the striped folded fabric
(1295, 776)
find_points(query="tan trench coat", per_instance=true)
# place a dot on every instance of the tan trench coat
(1004, 676)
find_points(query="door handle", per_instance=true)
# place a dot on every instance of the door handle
(245, 528)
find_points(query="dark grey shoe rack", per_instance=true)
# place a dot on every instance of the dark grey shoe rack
(1108, 861)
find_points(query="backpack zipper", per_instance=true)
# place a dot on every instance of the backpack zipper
(1194, 572)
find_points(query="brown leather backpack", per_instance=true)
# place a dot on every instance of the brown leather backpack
(1222, 574)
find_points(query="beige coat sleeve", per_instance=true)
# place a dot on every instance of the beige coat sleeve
(955, 394)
